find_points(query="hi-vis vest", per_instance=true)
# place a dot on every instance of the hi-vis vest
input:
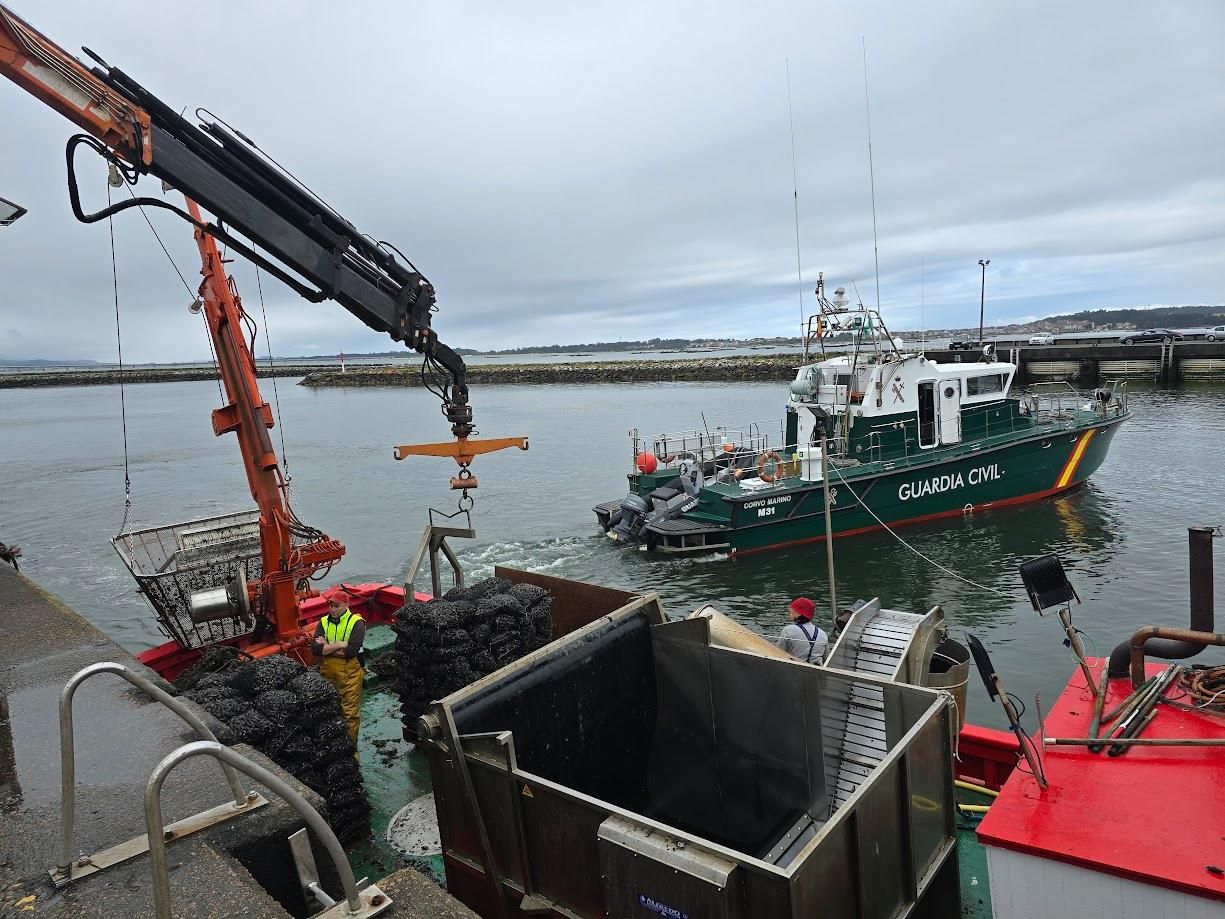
(341, 630)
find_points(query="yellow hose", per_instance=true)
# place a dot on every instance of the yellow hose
(975, 808)
(970, 786)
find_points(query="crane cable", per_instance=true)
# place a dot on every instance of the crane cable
(276, 396)
(123, 409)
(191, 293)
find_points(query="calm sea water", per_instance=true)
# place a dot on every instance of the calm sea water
(1122, 537)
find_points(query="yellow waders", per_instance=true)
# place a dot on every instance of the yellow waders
(345, 673)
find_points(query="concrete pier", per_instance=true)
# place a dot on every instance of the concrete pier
(239, 868)
(1093, 362)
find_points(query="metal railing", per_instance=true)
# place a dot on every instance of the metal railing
(63, 871)
(367, 901)
(701, 445)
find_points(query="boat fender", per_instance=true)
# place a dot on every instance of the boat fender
(770, 456)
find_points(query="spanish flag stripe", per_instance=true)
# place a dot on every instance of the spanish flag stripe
(1069, 470)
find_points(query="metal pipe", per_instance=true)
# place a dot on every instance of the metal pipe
(829, 533)
(1096, 723)
(153, 818)
(1117, 748)
(1179, 639)
(1170, 646)
(1127, 704)
(68, 780)
(1139, 741)
(1065, 617)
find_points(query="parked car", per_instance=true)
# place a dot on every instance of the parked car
(1042, 338)
(1150, 335)
(963, 344)
(1216, 333)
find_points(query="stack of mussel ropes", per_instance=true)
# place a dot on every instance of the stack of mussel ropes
(293, 716)
(444, 644)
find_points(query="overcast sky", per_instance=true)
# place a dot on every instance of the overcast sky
(573, 172)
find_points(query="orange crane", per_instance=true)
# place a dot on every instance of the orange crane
(260, 211)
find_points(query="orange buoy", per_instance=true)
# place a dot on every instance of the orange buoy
(771, 456)
(646, 463)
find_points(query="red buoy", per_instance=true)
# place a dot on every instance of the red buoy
(646, 463)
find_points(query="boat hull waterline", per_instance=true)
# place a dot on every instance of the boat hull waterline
(954, 483)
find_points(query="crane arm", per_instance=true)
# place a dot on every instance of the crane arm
(300, 239)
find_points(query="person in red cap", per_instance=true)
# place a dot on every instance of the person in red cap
(803, 639)
(338, 645)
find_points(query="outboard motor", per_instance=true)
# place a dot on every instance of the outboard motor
(634, 511)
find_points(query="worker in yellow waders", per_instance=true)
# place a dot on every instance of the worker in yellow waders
(338, 644)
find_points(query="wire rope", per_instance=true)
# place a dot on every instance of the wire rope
(123, 407)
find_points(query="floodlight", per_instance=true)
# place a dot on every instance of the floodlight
(9, 212)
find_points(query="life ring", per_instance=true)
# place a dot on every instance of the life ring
(771, 455)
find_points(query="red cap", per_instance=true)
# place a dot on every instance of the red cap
(341, 598)
(802, 606)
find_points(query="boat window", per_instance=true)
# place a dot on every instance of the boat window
(981, 386)
(843, 379)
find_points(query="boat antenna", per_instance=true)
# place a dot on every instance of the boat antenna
(795, 200)
(871, 171)
(923, 304)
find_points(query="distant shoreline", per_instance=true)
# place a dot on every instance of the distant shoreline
(744, 368)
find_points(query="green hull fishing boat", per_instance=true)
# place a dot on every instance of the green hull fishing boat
(891, 437)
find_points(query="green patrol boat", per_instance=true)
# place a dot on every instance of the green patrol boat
(891, 436)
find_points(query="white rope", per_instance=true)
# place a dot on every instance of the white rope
(925, 558)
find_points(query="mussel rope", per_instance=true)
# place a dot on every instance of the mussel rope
(123, 409)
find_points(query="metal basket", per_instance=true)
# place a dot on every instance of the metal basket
(170, 563)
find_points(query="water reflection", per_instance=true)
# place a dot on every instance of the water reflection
(984, 548)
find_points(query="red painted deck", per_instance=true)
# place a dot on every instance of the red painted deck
(1155, 815)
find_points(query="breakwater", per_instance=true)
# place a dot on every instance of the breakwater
(747, 368)
(110, 375)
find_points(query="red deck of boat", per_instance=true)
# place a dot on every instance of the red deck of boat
(1155, 815)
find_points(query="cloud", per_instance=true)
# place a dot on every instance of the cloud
(580, 172)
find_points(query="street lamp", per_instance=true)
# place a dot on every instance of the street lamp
(982, 299)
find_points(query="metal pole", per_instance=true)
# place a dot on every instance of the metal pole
(1013, 719)
(1065, 616)
(1138, 741)
(829, 533)
(1099, 703)
(153, 819)
(982, 299)
(68, 781)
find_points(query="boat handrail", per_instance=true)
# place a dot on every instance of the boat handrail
(703, 444)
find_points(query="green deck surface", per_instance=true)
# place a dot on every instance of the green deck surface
(972, 861)
(395, 772)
